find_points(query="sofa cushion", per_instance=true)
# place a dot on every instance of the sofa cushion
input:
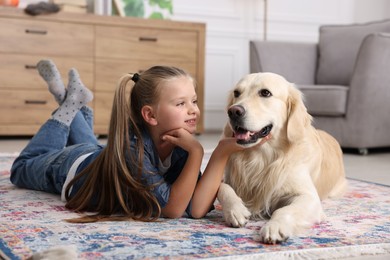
(325, 100)
(338, 48)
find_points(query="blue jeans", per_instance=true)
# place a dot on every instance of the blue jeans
(44, 163)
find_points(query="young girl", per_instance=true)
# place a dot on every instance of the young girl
(150, 165)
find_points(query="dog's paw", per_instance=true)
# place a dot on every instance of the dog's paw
(236, 214)
(274, 232)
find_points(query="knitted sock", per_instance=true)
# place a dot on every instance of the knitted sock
(77, 97)
(49, 72)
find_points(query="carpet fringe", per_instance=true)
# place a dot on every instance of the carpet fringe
(382, 249)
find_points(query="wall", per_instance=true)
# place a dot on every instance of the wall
(367, 10)
(232, 23)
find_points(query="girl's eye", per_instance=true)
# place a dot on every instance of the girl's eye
(195, 101)
(265, 93)
(180, 104)
(236, 93)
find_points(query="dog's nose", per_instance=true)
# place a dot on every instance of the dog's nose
(236, 112)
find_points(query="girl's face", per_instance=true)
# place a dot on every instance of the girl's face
(178, 106)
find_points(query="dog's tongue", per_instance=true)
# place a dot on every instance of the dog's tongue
(243, 136)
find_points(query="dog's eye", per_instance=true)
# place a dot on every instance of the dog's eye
(236, 93)
(265, 93)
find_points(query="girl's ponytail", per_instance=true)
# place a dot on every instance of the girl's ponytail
(118, 189)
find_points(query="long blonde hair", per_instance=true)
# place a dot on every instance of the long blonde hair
(111, 189)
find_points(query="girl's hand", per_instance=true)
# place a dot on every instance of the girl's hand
(228, 145)
(182, 138)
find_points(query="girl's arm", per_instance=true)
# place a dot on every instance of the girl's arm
(183, 187)
(207, 187)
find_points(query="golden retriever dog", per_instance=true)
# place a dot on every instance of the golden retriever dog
(285, 178)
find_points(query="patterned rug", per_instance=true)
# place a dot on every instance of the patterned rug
(30, 221)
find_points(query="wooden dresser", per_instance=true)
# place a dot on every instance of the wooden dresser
(102, 48)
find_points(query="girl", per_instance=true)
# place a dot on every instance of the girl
(150, 165)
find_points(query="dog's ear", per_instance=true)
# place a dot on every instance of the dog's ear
(298, 119)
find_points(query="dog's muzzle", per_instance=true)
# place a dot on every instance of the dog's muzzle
(244, 136)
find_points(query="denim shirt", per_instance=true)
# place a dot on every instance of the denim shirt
(151, 174)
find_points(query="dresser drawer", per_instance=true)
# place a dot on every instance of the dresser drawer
(109, 71)
(26, 107)
(102, 111)
(145, 44)
(19, 71)
(42, 37)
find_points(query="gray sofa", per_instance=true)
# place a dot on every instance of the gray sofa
(345, 79)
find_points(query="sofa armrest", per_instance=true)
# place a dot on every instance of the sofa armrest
(297, 62)
(369, 93)
(370, 80)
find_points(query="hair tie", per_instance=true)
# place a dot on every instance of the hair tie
(135, 77)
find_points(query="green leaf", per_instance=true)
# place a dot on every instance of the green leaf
(156, 15)
(134, 8)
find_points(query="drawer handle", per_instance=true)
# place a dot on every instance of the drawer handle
(29, 67)
(43, 32)
(147, 39)
(35, 102)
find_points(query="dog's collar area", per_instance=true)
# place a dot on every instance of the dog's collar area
(245, 136)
